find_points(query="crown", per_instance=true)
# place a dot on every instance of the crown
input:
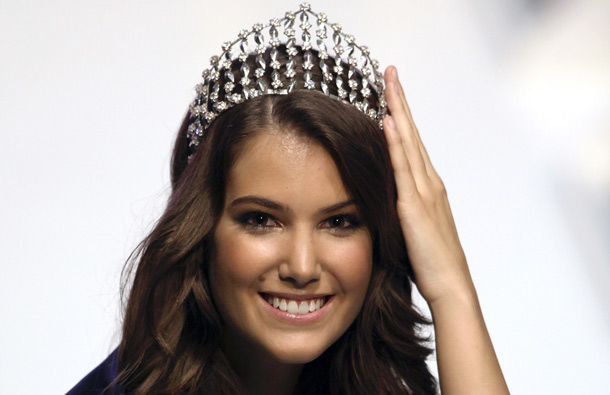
(348, 72)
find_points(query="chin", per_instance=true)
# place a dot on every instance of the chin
(298, 355)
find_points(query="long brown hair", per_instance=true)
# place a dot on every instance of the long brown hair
(172, 330)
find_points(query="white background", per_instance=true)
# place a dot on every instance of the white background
(512, 99)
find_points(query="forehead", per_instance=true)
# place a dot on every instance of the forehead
(286, 166)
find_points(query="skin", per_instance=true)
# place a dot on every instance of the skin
(297, 246)
(466, 358)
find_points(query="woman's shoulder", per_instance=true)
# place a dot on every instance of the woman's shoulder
(100, 380)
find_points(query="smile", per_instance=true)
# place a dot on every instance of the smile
(292, 306)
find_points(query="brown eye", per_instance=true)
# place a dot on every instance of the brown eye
(342, 223)
(257, 220)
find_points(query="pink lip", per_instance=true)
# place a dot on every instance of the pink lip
(297, 319)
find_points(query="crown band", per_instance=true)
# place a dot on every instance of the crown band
(221, 88)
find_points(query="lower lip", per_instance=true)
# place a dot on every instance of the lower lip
(298, 319)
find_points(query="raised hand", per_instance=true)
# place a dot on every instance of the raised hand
(433, 245)
(467, 362)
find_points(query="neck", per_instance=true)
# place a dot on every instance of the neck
(259, 372)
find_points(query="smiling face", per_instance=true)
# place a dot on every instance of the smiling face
(292, 258)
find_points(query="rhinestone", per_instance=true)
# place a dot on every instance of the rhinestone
(220, 106)
(352, 96)
(259, 73)
(260, 84)
(375, 63)
(365, 106)
(205, 73)
(229, 86)
(289, 32)
(357, 104)
(324, 88)
(305, 7)
(273, 32)
(371, 113)
(307, 61)
(291, 86)
(244, 81)
(291, 64)
(337, 68)
(338, 49)
(259, 38)
(337, 38)
(366, 71)
(322, 17)
(225, 64)
(202, 89)
(353, 84)
(257, 27)
(365, 50)
(243, 33)
(290, 73)
(305, 25)
(364, 62)
(352, 61)
(342, 93)
(237, 98)
(351, 72)
(349, 39)
(321, 32)
(339, 82)
(209, 116)
(290, 15)
(336, 27)
(261, 62)
(309, 84)
(306, 36)
(275, 80)
(292, 51)
(324, 67)
(275, 22)
(245, 69)
(214, 60)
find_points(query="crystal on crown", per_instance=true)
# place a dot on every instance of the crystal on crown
(215, 94)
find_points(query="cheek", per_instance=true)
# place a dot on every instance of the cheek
(352, 263)
(240, 260)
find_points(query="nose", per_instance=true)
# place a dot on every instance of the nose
(300, 265)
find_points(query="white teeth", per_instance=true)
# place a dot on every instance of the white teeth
(293, 308)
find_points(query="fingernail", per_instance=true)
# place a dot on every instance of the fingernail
(394, 72)
(391, 123)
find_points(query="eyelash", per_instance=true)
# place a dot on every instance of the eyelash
(250, 221)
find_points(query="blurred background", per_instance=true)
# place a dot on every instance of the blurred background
(512, 99)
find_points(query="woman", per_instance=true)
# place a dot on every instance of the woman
(283, 262)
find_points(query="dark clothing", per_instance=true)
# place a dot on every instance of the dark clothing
(98, 381)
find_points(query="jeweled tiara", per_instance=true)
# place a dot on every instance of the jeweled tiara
(229, 80)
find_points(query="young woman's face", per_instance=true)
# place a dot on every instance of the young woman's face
(292, 258)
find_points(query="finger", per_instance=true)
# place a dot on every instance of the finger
(393, 76)
(407, 134)
(405, 183)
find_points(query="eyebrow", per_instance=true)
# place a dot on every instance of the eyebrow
(277, 206)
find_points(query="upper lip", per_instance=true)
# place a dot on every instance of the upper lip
(284, 295)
